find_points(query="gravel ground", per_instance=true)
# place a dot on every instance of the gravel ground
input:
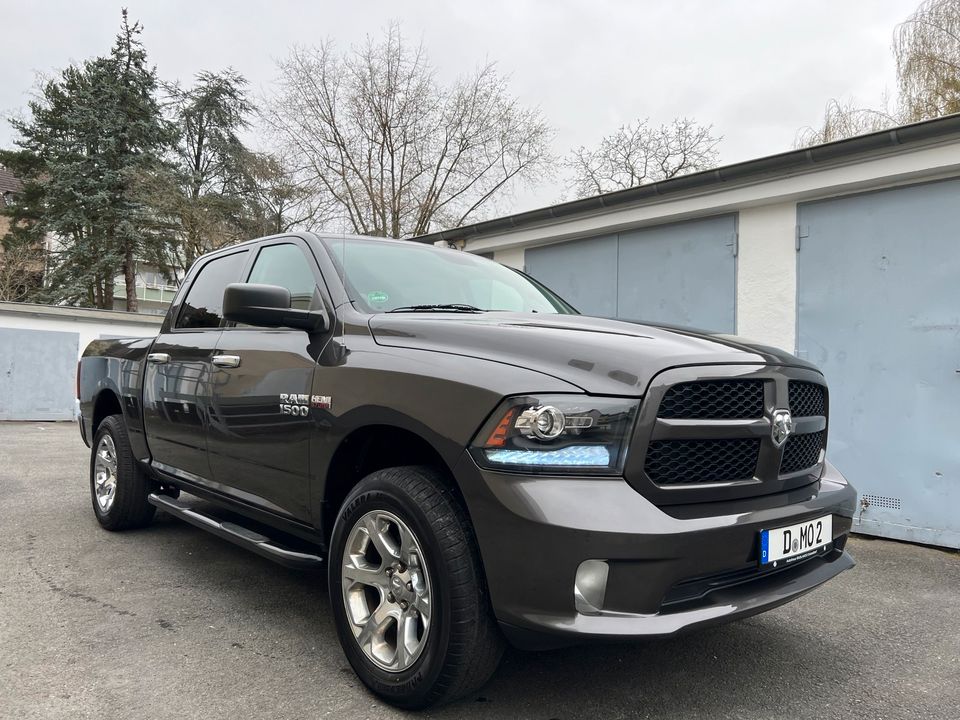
(170, 622)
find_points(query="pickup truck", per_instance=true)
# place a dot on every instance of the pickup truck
(470, 460)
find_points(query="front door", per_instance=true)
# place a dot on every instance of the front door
(176, 384)
(260, 429)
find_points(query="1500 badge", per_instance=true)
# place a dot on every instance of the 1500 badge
(299, 404)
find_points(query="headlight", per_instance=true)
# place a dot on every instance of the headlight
(574, 434)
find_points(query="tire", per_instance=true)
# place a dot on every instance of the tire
(127, 506)
(462, 646)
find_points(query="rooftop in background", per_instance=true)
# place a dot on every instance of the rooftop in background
(771, 166)
(9, 185)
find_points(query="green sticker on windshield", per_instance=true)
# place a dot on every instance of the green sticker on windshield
(377, 297)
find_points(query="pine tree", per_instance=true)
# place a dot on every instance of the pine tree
(95, 137)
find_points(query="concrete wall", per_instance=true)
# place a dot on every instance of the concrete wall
(766, 275)
(39, 349)
(511, 257)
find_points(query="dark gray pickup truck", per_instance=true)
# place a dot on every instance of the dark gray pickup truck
(471, 459)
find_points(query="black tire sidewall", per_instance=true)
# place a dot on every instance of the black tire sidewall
(118, 516)
(410, 688)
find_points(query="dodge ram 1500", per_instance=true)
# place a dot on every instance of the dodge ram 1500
(470, 459)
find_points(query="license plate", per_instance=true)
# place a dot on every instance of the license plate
(793, 543)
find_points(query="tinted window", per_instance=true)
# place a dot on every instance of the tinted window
(286, 266)
(203, 307)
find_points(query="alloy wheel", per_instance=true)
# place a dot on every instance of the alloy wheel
(105, 473)
(386, 591)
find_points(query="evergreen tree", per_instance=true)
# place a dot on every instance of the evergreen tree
(94, 139)
(211, 162)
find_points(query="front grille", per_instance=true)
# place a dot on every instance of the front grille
(672, 462)
(806, 399)
(802, 451)
(714, 399)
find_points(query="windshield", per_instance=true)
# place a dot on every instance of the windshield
(404, 276)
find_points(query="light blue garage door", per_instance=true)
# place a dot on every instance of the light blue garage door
(38, 370)
(679, 274)
(879, 312)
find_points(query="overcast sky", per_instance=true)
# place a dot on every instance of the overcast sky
(757, 70)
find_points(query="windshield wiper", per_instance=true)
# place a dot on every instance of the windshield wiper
(439, 307)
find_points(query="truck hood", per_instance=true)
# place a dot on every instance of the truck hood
(600, 356)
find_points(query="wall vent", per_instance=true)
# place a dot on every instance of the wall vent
(881, 501)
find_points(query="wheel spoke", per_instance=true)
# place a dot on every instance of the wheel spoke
(365, 575)
(376, 530)
(376, 625)
(408, 548)
(108, 460)
(422, 606)
(402, 657)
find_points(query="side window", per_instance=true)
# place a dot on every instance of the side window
(203, 307)
(286, 266)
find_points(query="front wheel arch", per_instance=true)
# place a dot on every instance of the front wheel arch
(378, 447)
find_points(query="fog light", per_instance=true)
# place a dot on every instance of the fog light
(590, 586)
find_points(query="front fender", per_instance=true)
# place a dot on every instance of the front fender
(441, 398)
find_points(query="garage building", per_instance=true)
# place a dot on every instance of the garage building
(847, 253)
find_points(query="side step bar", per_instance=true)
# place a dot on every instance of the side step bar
(250, 539)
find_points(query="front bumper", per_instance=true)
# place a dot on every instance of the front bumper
(669, 569)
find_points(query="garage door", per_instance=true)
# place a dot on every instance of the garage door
(37, 374)
(879, 312)
(679, 274)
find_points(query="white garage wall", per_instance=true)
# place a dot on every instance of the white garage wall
(766, 275)
(88, 324)
(511, 257)
(39, 349)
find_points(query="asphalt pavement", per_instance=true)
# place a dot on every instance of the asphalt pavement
(170, 622)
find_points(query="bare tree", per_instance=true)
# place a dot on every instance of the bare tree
(281, 197)
(927, 49)
(21, 272)
(639, 153)
(845, 119)
(398, 153)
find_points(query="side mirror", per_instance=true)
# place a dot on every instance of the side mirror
(268, 306)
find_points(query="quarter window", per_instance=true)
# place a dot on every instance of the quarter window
(203, 307)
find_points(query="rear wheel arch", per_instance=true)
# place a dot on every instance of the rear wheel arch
(107, 403)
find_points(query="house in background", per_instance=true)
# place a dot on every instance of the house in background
(9, 187)
(154, 291)
(20, 269)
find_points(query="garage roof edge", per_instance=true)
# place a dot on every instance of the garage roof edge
(770, 165)
(69, 312)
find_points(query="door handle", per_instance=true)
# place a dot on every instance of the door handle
(226, 361)
(158, 358)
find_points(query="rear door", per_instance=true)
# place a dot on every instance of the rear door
(176, 386)
(261, 403)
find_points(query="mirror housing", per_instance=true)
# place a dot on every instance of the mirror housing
(268, 306)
